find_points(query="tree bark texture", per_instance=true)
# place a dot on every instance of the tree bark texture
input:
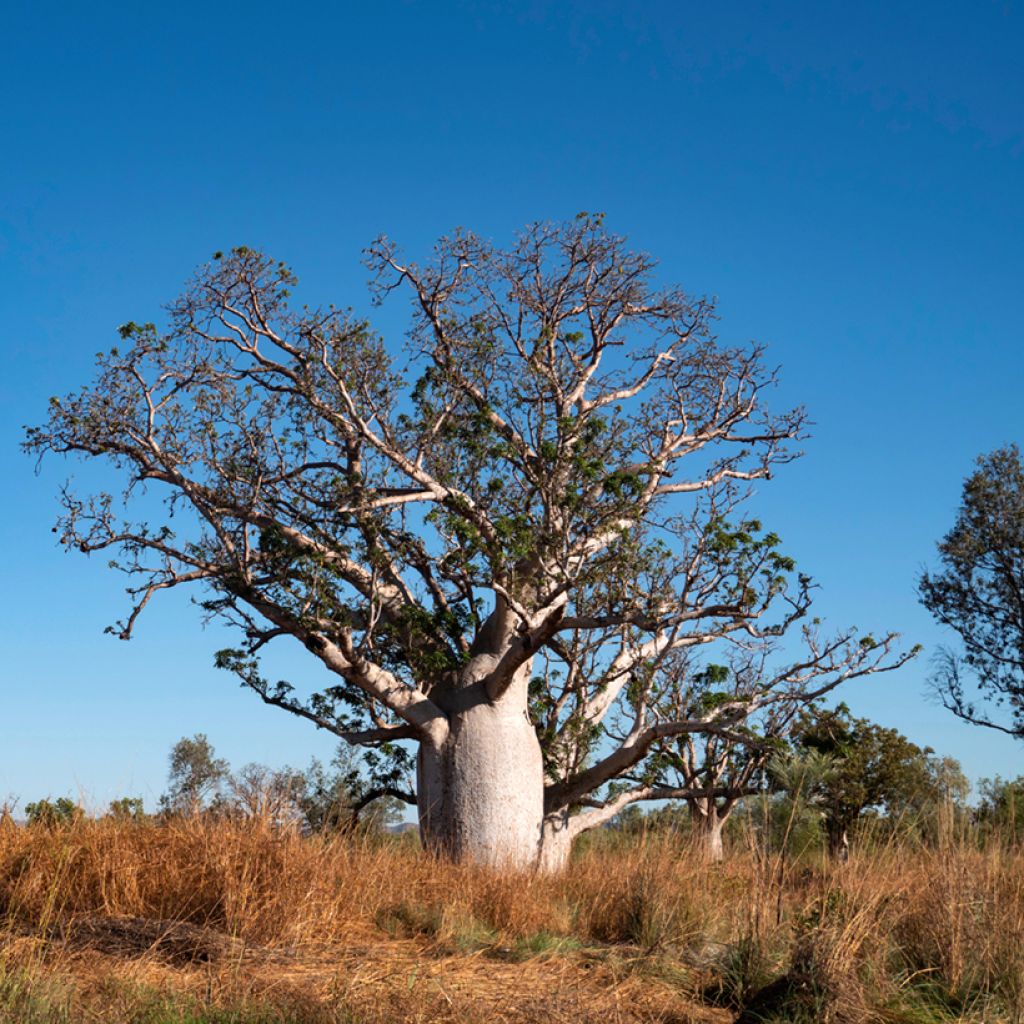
(481, 788)
(708, 826)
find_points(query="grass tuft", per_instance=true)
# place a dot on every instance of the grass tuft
(217, 921)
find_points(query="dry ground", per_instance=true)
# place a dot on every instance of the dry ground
(379, 980)
(224, 921)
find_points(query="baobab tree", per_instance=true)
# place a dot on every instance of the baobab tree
(489, 540)
(713, 770)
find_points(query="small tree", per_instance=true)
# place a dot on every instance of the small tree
(712, 771)
(274, 796)
(127, 809)
(51, 813)
(488, 542)
(1000, 809)
(979, 593)
(341, 796)
(195, 777)
(801, 780)
(327, 802)
(872, 767)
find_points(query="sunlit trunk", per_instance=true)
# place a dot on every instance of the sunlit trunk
(838, 844)
(481, 790)
(557, 842)
(708, 826)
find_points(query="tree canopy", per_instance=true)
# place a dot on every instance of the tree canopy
(979, 593)
(195, 775)
(871, 767)
(528, 517)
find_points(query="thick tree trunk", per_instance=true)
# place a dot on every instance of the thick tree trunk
(838, 844)
(556, 844)
(708, 826)
(481, 790)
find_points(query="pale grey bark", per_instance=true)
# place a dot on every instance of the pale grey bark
(517, 506)
(708, 825)
(481, 790)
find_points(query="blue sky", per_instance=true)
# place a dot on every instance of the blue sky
(847, 179)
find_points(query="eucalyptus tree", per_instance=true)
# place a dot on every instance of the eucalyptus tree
(196, 778)
(978, 592)
(488, 540)
(1000, 810)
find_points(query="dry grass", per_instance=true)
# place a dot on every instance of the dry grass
(219, 921)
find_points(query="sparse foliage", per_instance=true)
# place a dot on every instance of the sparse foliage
(274, 795)
(979, 593)
(195, 778)
(493, 543)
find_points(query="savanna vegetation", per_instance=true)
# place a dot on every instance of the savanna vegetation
(228, 918)
(518, 553)
(512, 544)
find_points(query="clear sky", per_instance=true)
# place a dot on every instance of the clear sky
(848, 179)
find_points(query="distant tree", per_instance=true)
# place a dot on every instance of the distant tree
(347, 793)
(785, 818)
(979, 593)
(713, 771)
(340, 796)
(7, 813)
(672, 816)
(127, 808)
(487, 540)
(327, 804)
(872, 767)
(948, 782)
(632, 820)
(1000, 808)
(380, 815)
(50, 813)
(196, 776)
(273, 795)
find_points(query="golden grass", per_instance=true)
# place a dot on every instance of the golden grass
(216, 921)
